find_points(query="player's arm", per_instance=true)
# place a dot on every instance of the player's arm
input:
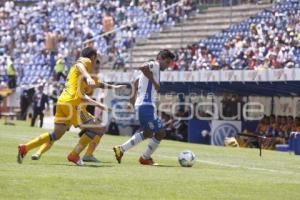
(146, 71)
(88, 99)
(109, 86)
(90, 81)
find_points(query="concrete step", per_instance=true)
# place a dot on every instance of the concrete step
(183, 34)
(144, 58)
(157, 46)
(134, 65)
(177, 37)
(221, 15)
(239, 7)
(195, 28)
(209, 22)
(172, 40)
(139, 54)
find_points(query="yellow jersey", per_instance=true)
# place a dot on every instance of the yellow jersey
(75, 86)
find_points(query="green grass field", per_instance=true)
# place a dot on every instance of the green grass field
(220, 173)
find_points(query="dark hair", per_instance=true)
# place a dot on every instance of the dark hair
(166, 54)
(88, 52)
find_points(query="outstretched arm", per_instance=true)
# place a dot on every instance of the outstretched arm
(109, 86)
(88, 99)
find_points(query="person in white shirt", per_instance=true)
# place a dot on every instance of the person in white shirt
(147, 84)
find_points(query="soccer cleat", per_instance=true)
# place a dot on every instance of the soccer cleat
(118, 153)
(21, 153)
(75, 159)
(144, 161)
(36, 156)
(90, 159)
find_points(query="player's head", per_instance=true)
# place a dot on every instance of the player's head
(90, 53)
(165, 57)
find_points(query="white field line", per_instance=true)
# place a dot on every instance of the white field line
(232, 166)
(220, 164)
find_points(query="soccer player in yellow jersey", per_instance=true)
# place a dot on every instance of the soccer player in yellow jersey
(70, 108)
(88, 157)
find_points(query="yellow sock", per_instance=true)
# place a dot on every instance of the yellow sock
(83, 142)
(45, 147)
(93, 145)
(43, 138)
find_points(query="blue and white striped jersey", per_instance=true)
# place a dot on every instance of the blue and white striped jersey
(146, 93)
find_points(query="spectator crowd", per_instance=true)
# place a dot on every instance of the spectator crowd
(271, 39)
(275, 129)
(36, 36)
(33, 35)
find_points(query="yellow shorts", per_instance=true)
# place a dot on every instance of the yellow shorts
(71, 115)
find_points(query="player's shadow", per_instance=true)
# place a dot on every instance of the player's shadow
(72, 165)
(89, 165)
(106, 162)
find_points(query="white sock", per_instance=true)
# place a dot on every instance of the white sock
(134, 140)
(152, 146)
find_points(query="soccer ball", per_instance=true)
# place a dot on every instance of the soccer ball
(186, 158)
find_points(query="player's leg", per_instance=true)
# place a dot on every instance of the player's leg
(84, 140)
(87, 138)
(143, 114)
(88, 156)
(135, 139)
(154, 142)
(59, 130)
(130, 143)
(153, 125)
(63, 111)
(44, 148)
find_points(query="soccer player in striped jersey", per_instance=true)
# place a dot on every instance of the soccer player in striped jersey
(147, 84)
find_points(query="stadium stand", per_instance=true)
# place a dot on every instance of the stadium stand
(199, 26)
(47, 28)
(270, 39)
